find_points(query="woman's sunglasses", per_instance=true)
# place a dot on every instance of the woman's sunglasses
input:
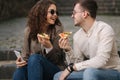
(52, 12)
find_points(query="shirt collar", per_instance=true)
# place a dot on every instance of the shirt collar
(91, 29)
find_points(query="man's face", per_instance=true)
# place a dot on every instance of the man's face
(78, 15)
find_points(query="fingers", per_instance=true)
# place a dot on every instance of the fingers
(64, 75)
(42, 38)
(20, 63)
(44, 41)
(39, 38)
(63, 42)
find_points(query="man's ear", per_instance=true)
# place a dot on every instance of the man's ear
(85, 14)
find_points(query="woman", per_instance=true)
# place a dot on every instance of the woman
(42, 57)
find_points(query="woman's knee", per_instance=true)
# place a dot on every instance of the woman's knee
(20, 73)
(34, 58)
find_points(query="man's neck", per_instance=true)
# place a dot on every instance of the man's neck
(87, 24)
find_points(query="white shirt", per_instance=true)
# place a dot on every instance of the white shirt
(99, 45)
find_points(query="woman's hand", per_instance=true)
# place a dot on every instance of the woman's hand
(20, 63)
(45, 42)
(64, 74)
(64, 44)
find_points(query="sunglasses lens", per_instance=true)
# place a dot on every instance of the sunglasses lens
(52, 12)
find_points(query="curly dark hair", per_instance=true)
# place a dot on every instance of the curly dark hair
(37, 18)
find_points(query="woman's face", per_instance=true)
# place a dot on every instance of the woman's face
(52, 14)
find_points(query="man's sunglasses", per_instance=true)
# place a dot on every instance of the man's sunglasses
(52, 11)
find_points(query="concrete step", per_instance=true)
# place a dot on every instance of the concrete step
(7, 64)
(6, 55)
(7, 69)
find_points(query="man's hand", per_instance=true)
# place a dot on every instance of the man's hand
(64, 44)
(65, 34)
(64, 74)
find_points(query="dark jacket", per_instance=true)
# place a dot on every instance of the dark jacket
(56, 55)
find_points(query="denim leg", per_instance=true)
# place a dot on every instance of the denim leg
(57, 75)
(73, 76)
(101, 74)
(20, 73)
(92, 74)
(39, 68)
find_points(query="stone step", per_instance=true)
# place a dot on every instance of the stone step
(65, 10)
(7, 64)
(6, 55)
(7, 69)
(65, 7)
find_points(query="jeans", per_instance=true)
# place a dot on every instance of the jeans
(38, 68)
(20, 74)
(92, 74)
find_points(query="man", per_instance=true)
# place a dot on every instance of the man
(95, 40)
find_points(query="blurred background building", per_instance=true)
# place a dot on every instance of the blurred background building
(17, 8)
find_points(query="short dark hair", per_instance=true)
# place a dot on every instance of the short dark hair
(89, 5)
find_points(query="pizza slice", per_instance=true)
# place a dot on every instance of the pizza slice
(65, 34)
(44, 35)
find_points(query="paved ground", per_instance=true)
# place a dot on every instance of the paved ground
(11, 31)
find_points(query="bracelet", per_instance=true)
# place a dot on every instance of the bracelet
(71, 67)
(68, 69)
